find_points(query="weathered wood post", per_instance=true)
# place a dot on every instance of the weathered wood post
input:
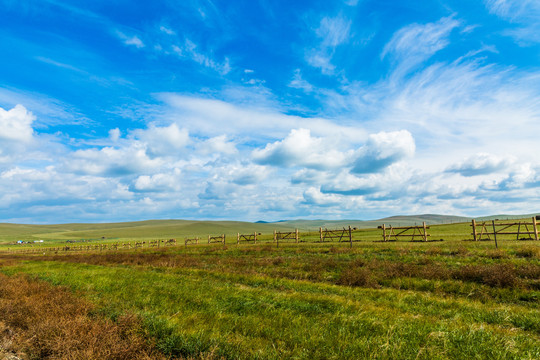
(350, 235)
(384, 232)
(494, 233)
(296, 234)
(425, 231)
(209, 239)
(275, 236)
(535, 228)
(238, 239)
(320, 234)
(474, 229)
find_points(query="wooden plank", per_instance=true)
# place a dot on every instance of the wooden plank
(494, 233)
(535, 228)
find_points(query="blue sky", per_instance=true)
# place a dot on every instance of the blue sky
(268, 110)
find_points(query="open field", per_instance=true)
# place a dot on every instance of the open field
(453, 299)
(155, 229)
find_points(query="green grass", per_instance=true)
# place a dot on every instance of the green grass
(396, 300)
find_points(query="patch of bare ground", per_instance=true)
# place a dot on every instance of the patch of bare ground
(41, 321)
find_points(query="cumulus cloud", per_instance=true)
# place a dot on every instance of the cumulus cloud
(164, 140)
(114, 134)
(382, 150)
(313, 196)
(480, 164)
(158, 182)
(299, 148)
(217, 145)
(16, 124)
(110, 161)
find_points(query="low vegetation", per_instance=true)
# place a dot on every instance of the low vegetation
(397, 300)
(39, 321)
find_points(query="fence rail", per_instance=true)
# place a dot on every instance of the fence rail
(246, 237)
(291, 235)
(405, 231)
(486, 229)
(344, 234)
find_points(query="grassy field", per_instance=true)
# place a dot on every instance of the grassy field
(453, 299)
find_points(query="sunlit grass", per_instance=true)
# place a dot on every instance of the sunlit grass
(387, 300)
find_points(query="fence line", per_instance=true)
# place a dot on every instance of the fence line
(480, 231)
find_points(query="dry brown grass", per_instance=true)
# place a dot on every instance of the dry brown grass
(40, 321)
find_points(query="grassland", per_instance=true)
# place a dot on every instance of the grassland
(453, 299)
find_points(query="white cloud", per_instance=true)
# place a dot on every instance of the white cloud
(416, 43)
(299, 148)
(167, 30)
(130, 40)
(158, 182)
(16, 124)
(480, 164)
(331, 32)
(114, 134)
(110, 161)
(299, 83)
(218, 144)
(382, 150)
(258, 121)
(163, 141)
(524, 13)
(190, 50)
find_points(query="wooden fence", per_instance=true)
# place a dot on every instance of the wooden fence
(486, 229)
(216, 239)
(247, 238)
(191, 241)
(344, 234)
(413, 232)
(291, 235)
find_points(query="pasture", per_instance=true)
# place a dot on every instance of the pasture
(450, 299)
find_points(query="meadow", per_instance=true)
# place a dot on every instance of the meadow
(450, 299)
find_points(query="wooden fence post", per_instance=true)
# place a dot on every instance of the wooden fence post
(296, 235)
(350, 235)
(275, 236)
(474, 229)
(384, 232)
(425, 231)
(535, 228)
(494, 233)
(320, 233)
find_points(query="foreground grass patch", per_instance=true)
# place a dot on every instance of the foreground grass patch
(39, 321)
(194, 310)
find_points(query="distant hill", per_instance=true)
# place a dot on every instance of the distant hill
(399, 220)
